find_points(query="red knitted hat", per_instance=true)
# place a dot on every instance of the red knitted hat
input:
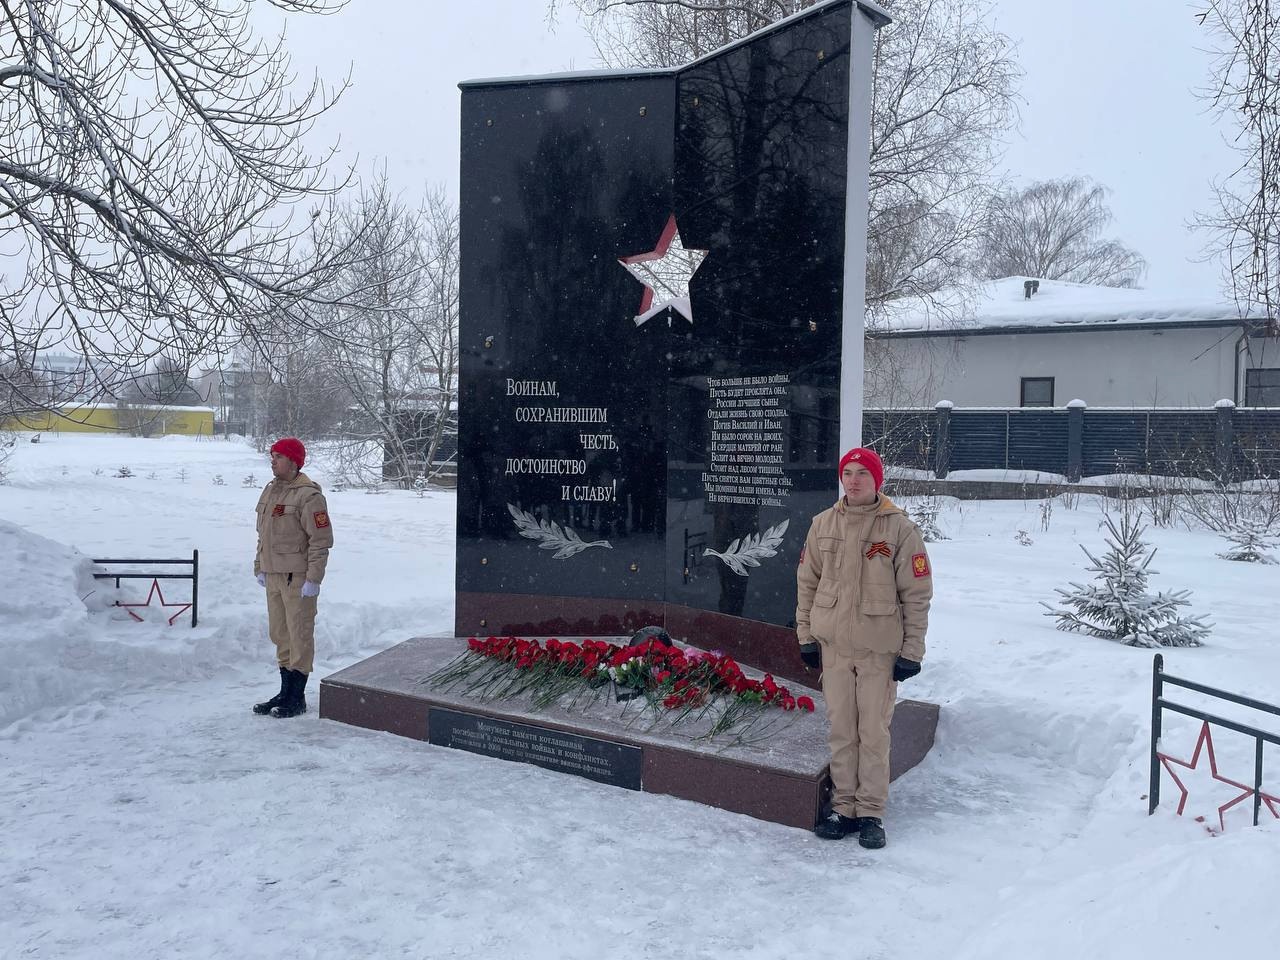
(867, 458)
(292, 448)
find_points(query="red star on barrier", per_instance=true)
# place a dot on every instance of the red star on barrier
(154, 592)
(1205, 742)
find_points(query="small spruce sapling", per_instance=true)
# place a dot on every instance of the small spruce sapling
(1116, 605)
(1250, 540)
(925, 516)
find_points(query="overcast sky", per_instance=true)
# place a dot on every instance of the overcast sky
(1108, 93)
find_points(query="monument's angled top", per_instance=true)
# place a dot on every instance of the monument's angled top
(876, 13)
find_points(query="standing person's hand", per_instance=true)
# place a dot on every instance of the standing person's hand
(262, 579)
(310, 589)
(905, 669)
(811, 654)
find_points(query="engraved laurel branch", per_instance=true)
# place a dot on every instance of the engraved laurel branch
(551, 536)
(750, 550)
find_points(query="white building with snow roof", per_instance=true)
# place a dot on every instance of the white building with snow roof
(1018, 342)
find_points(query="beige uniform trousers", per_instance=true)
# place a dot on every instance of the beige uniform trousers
(291, 620)
(860, 694)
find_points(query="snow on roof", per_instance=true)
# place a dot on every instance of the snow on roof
(1002, 304)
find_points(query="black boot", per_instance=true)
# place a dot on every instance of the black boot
(294, 703)
(265, 707)
(837, 826)
(871, 833)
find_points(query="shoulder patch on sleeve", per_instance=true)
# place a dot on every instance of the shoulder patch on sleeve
(321, 519)
(920, 565)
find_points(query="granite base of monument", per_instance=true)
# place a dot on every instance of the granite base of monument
(782, 779)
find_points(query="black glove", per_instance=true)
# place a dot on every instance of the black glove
(811, 654)
(904, 669)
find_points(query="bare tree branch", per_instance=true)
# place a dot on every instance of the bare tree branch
(152, 163)
(1245, 92)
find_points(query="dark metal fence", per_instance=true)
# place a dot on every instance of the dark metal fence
(1260, 738)
(193, 576)
(1225, 443)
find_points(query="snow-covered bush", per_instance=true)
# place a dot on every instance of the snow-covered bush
(1023, 537)
(925, 516)
(1250, 539)
(249, 481)
(1117, 605)
(218, 481)
(124, 472)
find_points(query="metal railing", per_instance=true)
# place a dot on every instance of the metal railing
(193, 576)
(1260, 737)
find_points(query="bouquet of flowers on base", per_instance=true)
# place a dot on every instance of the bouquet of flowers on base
(680, 684)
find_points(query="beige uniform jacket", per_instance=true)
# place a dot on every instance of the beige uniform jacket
(864, 581)
(294, 533)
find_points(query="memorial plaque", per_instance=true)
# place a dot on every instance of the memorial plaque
(617, 764)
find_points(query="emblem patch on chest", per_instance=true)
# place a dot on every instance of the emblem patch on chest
(879, 548)
(278, 510)
(321, 519)
(920, 565)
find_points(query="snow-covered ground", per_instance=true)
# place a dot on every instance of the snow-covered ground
(146, 813)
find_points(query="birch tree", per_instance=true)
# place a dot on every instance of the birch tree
(1053, 230)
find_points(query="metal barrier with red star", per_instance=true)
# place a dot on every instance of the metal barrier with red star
(1204, 745)
(155, 578)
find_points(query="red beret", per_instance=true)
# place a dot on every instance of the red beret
(292, 448)
(867, 458)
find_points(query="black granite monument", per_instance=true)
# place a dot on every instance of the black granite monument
(656, 273)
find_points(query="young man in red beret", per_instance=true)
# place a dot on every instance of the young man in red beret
(863, 590)
(294, 537)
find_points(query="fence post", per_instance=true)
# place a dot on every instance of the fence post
(1225, 436)
(1157, 691)
(942, 450)
(1075, 439)
(195, 587)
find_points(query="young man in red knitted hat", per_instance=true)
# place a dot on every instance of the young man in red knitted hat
(863, 590)
(294, 537)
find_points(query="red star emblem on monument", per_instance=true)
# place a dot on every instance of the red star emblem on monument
(154, 592)
(665, 272)
(1205, 742)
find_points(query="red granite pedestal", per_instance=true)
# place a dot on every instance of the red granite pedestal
(782, 778)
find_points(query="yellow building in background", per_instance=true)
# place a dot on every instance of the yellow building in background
(133, 420)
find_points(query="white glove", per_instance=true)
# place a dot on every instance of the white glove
(310, 589)
(262, 579)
